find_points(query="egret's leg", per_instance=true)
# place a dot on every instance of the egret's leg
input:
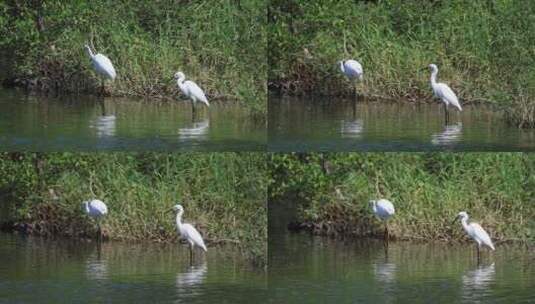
(102, 88)
(193, 109)
(386, 236)
(99, 249)
(99, 232)
(478, 254)
(191, 254)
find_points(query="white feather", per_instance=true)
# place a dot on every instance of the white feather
(96, 208)
(480, 235)
(352, 69)
(103, 66)
(195, 92)
(383, 209)
(447, 95)
(191, 234)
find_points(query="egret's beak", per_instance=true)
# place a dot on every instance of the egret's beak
(170, 210)
(454, 220)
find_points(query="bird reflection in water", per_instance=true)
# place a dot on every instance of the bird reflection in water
(476, 282)
(188, 281)
(104, 124)
(96, 268)
(351, 129)
(196, 130)
(450, 135)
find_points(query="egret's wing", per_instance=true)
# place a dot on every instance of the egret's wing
(104, 66)
(354, 67)
(99, 205)
(482, 235)
(196, 91)
(387, 206)
(446, 93)
(191, 233)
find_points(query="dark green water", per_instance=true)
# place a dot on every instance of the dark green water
(90, 123)
(36, 270)
(342, 125)
(313, 269)
(306, 269)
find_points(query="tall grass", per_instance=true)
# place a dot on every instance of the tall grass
(428, 190)
(221, 45)
(484, 49)
(223, 195)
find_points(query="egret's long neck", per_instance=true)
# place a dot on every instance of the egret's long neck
(434, 77)
(89, 51)
(180, 81)
(342, 66)
(179, 220)
(464, 221)
(86, 207)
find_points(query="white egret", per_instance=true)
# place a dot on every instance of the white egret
(383, 209)
(475, 231)
(102, 65)
(353, 70)
(443, 91)
(188, 232)
(95, 209)
(191, 90)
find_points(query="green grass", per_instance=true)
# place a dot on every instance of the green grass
(428, 190)
(223, 194)
(221, 45)
(484, 49)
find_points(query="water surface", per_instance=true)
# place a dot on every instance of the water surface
(342, 125)
(307, 269)
(37, 270)
(90, 123)
(313, 269)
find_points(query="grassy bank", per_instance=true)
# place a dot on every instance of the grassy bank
(484, 49)
(222, 193)
(428, 190)
(215, 43)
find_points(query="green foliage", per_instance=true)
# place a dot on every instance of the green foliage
(222, 193)
(219, 44)
(428, 190)
(484, 49)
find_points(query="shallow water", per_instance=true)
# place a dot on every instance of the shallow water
(343, 125)
(90, 123)
(313, 269)
(37, 270)
(306, 269)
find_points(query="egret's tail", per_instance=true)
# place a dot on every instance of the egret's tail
(204, 248)
(491, 246)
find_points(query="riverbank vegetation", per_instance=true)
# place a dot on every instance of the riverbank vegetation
(223, 194)
(484, 49)
(332, 192)
(215, 43)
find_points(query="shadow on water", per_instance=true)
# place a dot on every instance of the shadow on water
(317, 124)
(38, 270)
(313, 269)
(93, 123)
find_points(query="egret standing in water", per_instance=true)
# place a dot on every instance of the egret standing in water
(476, 232)
(383, 209)
(188, 232)
(191, 90)
(102, 66)
(96, 209)
(443, 91)
(353, 70)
